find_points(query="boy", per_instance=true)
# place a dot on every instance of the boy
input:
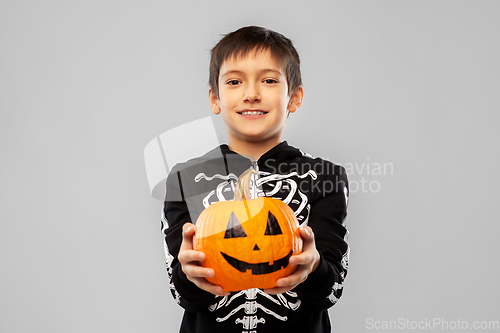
(255, 83)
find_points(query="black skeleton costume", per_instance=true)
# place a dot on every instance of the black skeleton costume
(315, 189)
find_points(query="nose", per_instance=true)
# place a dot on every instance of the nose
(251, 94)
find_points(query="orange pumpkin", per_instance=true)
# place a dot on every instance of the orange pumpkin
(248, 242)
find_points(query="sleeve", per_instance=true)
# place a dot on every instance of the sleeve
(175, 214)
(323, 288)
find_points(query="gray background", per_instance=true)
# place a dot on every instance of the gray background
(84, 86)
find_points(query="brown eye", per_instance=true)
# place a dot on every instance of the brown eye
(273, 227)
(233, 82)
(234, 228)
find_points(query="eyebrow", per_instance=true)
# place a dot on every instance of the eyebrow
(262, 71)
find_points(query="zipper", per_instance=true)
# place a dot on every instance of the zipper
(253, 185)
(255, 166)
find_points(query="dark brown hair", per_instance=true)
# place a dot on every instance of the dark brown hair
(252, 38)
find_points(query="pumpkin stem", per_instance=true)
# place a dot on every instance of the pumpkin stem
(242, 189)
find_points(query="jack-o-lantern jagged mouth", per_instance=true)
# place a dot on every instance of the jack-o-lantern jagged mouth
(259, 268)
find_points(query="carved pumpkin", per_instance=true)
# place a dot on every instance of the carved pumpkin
(247, 242)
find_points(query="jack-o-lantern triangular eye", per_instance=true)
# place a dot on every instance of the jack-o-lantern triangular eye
(273, 227)
(234, 228)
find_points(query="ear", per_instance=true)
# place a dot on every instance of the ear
(296, 99)
(214, 101)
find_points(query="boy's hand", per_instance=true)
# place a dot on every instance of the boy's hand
(189, 260)
(307, 261)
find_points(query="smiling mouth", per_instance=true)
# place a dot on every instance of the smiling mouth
(252, 113)
(259, 268)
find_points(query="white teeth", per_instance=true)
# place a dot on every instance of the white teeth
(252, 113)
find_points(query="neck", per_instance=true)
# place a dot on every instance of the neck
(253, 150)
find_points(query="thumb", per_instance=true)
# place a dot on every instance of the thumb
(306, 233)
(188, 231)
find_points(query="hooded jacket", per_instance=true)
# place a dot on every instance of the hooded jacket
(315, 189)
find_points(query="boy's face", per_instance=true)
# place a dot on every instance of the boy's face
(253, 98)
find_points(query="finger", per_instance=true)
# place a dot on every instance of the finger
(207, 286)
(278, 290)
(196, 271)
(288, 283)
(190, 256)
(309, 245)
(306, 233)
(188, 231)
(309, 258)
(305, 257)
(299, 276)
